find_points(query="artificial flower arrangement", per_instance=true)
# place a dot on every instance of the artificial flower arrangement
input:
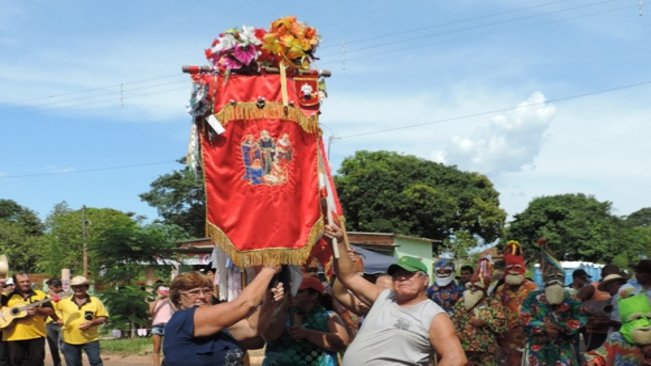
(288, 42)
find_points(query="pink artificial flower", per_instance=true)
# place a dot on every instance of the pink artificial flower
(230, 63)
(245, 54)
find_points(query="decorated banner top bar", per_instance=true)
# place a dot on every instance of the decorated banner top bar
(269, 191)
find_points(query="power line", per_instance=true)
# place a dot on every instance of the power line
(501, 110)
(83, 91)
(480, 26)
(393, 34)
(77, 106)
(121, 91)
(120, 94)
(91, 170)
(466, 116)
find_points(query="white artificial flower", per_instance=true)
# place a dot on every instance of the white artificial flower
(225, 43)
(247, 35)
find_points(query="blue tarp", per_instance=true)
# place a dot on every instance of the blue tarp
(592, 269)
(374, 262)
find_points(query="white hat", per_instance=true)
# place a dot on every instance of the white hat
(78, 281)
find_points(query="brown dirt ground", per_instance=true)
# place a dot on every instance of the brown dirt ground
(145, 360)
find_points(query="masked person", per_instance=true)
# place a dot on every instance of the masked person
(511, 295)
(551, 319)
(445, 292)
(632, 344)
(478, 318)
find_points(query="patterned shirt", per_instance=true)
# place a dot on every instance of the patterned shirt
(616, 351)
(512, 300)
(546, 349)
(445, 296)
(480, 339)
(287, 351)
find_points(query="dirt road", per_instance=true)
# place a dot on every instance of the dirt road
(145, 360)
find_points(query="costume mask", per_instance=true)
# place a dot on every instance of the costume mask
(554, 293)
(635, 312)
(513, 258)
(514, 279)
(472, 297)
(444, 279)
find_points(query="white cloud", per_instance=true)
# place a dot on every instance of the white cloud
(507, 143)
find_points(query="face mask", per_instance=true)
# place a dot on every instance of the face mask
(443, 281)
(554, 294)
(472, 298)
(514, 279)
(635, 312)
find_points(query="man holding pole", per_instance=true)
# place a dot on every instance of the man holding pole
(403, 325)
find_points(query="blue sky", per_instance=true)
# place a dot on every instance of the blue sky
(544, 97)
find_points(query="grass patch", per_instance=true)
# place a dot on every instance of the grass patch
(127, 346)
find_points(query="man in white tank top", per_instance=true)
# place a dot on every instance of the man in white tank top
(403, 327)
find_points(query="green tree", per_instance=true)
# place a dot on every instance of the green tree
(634, 244)
(126, 250)
(577, 227)
(387, 191)
(641, 217)
(180, 200)
(21, 236)
(11, 211)
(64, 238)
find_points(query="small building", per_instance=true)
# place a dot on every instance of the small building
(397, 245)
(197, 252)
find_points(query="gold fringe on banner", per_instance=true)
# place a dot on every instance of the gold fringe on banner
(266, 256)
(272, 110)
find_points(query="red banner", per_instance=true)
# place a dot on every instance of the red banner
(262, 174)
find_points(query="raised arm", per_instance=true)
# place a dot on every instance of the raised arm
(345, 269)
(444, 340)
(334, 339)
(250, 330)
(348, 300)
(212, 319)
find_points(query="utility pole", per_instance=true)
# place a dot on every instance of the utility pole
(84, 235)
(331, 138)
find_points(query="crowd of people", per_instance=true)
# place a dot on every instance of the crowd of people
(491, 314)
(69, 322)
(488, 316)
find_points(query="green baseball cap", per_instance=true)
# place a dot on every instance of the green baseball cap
(409, 264)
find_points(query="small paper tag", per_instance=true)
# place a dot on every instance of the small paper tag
(216, 126)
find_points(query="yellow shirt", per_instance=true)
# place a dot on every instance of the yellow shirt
(74, 316)
(55, 306)
(29, 327)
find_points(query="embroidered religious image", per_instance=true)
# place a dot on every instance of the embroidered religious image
(266, 160)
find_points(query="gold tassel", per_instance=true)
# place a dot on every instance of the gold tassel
(266, 256)
(272, 110)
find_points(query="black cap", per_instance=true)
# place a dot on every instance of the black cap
(643, 266)
(580, 273)
(54, 282)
